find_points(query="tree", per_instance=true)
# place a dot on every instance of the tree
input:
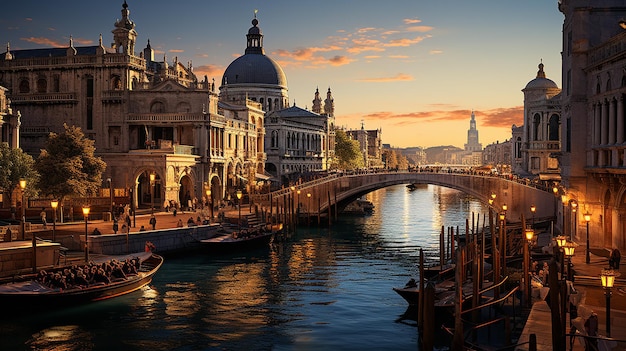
(70, 166)
(347, 152)
(16, 165)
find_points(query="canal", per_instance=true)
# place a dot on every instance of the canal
(319, 289)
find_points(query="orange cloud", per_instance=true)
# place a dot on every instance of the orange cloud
(411, 21)
(421, 29)
(398, 77)
(45, 41)
(340, 60)
(209, 71)
(405, 41)
(176, 51)
(498, 118)
(435, 52)
(80, 41)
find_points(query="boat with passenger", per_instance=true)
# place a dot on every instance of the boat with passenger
(79, 284)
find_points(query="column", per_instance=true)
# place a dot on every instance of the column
(605, 124)
(612, 121)
(620, 120)
(597, 123)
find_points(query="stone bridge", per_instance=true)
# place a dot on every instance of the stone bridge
(326, 194)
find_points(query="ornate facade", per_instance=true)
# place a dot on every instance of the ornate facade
(593, 165)
(145, 116)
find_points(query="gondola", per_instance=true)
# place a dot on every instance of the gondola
(28, 293)
(247, 238)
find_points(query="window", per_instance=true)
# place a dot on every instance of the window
(24, 86)
(157, 107)
(42, 85)
(553, 128)
(536, 125)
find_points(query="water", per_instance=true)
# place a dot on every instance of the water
(321, 289)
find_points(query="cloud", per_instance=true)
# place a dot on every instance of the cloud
(176, 51)
(497, 118)
(435, 52)
(45, 41)
(396, 78)
(405, 41)
(209, 71)
(81, 41)
(421, 29)
(411, 20)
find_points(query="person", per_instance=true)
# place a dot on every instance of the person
(115, 226)
(153, 222)
(7, 235)
(591, 327)
(191, 222)
(43, 217)
(142, 229)
(616, 256)
(180, 223)
(96, 231)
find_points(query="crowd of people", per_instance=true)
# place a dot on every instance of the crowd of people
(89, 274)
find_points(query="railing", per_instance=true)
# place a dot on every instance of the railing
(44, 97)
(165, 117)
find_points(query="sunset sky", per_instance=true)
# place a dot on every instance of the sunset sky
(413, 68)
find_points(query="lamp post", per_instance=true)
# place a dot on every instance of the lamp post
(111, 196)
(505, 207)
(587, 216)
(568, 250)
(530, 233)
(239, 195)
(54, 204)
(561, 240)
(533, 209)
(210, 199)
(298, 206)
(607, 277)
(575, 218)
(153, 186)
(502, 242)
(308, 207)
(23, 224)
(86, 210)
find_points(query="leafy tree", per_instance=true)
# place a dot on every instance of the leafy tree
(69, 165)
(16, 165)
(394, 159)
(347, 152)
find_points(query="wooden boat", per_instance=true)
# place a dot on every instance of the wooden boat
(30, 293)
(246, 238)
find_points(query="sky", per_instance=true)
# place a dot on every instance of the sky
(413, 68)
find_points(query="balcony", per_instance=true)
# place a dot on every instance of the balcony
(140, 118)
(44, 98)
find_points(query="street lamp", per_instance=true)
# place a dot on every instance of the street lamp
(568, 249)
(533, 209)
(86, 210)
(210, 198)
(530, 233)
(54, 204)
(23, 226)
(111, 195)
(505, 207)
(587, 217)
(239, 195)
(153, 185)
(607, 276)
(561, 240)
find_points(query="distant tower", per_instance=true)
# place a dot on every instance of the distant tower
(329, 104)
(317, 102)
(124, 33)
(472, 136)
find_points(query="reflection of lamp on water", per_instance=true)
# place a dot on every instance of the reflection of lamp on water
(54, 204)
(239, 195)
(587, 217)
(86, 210)
(607, 276)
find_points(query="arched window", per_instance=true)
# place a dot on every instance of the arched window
(116, 83)
(157, 107)
(42, 85)
(24, 86)
(274, 138)
(553, 128)
(536, 126)
(518, 147)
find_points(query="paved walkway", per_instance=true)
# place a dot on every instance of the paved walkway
(592, 299)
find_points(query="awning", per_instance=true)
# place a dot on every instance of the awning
(262, 176)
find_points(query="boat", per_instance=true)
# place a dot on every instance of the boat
(30, 292)
(251, 237)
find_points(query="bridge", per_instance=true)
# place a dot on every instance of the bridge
(330, 193)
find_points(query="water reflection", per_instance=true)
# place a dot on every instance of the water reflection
(61, 338)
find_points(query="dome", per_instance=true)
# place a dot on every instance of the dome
(254, 69)
(541, 82)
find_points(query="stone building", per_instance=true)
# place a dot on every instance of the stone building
(146, 116)
(9, 121)
(540, 142)
(371, 145)
(593, 167)
(498, 155)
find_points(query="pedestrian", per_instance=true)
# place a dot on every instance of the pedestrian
(180, 223)
(142, 229)
(591, 328)
(115, 226)
(616, 256)
(43, 217)
(153, 222)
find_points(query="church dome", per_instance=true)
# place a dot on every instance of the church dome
(254, 67)
(541, 82)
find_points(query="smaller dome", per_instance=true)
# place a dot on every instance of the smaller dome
(541, 82)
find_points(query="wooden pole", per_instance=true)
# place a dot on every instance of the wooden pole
(420, 303)
(441, 247)
(428, 336)
(458, 337)
(329, 210)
